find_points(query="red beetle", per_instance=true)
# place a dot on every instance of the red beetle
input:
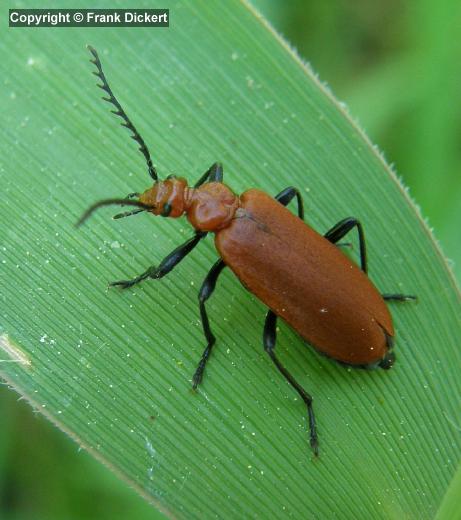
(299, 274)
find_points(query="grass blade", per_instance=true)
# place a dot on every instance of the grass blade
(113, 370)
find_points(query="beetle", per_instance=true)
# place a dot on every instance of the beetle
(300, 275)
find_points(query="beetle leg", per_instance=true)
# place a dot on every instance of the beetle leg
(206, 291)
(213, 174)
(341, 229)
(166, 265)
(269, 341)
(285, 197)
(398, 297)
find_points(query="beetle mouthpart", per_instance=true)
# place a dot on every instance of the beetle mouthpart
(110, 202)
(127, 214)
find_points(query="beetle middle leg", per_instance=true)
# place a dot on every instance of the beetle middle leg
(206, 291)
(269, 341)
(285, 197)
(341, 229)
(166, 265)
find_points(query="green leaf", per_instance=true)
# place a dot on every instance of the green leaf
(450, 508)
(113, 370)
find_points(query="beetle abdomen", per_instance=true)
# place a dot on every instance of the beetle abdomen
(306, 280)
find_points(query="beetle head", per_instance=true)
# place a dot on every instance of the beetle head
(166, 197)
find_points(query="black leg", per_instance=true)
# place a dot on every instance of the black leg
(206, 291)
(166, 265)
(398, 297)
(213, 174)
(269, 341)
(342, 228)
(285, 197)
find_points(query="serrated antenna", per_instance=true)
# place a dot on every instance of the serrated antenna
(120, 112)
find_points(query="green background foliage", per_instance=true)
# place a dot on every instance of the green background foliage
(115, 369)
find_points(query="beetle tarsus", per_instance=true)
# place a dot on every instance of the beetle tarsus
(198, 374)
(314, 442)
(399, 297)
(125, 284)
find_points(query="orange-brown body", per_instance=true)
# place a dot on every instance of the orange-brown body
(300, 275)
(305, 280)
(296, 272)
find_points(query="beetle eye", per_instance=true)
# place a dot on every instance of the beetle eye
(166, 210)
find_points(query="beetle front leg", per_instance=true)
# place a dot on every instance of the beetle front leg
(269, 341)
(213, 174)
(166, 265)
(206, 291)
(341, 229)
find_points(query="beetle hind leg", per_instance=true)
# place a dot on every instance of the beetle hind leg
(399, 297)
(269, 341)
